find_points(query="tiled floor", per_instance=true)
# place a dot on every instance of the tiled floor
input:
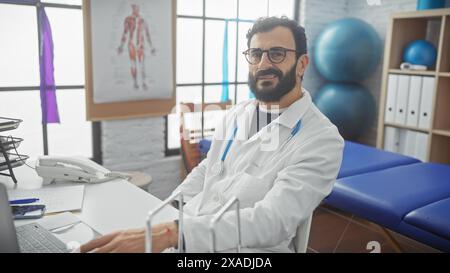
(334, 231)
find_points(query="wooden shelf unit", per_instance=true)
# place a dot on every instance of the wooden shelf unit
(401, 126)
(445, 133)
(434, 26)
(444, 74)
(412, 72)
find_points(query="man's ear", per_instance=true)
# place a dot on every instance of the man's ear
(302, 63)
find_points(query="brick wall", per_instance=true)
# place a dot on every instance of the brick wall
(138, 145)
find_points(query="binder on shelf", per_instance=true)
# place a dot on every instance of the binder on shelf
(402, 99)
(391, 139)
(389, 115)
(407, 142)
(421, 146)
(415, 88)
(426, 103)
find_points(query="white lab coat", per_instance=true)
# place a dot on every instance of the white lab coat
(277, 189)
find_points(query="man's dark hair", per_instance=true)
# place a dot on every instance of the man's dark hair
(266, 24)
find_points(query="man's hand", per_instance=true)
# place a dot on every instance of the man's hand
(133, 240)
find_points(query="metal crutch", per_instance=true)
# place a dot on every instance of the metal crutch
(151, 214)
(219, 215)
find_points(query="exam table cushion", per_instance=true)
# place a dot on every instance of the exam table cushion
(386, 196)
(358, 159)
(434, 217)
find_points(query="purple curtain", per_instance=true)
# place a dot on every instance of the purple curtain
(49, 106)
(48, 91)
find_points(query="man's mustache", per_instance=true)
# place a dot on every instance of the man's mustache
(269, 71)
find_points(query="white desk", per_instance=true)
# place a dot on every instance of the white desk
(107, 207)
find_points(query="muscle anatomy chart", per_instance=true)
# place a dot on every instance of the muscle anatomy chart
(132, 45)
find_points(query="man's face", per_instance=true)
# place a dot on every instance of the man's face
(268, 81)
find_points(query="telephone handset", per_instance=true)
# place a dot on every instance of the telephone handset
(75, 169)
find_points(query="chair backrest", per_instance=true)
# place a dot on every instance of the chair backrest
(190, 138)
(302, 235)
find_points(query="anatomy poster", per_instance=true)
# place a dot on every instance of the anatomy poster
(131, 50)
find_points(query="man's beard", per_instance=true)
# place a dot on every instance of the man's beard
(272, 94)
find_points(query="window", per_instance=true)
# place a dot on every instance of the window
(19, 84)
(201, 28)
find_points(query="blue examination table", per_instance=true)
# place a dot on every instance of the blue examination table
(394, 191)
(358, 159)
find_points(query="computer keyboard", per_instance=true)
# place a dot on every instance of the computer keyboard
(33, 238)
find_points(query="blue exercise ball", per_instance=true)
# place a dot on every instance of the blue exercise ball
(347, 50)
(350, 107)
(420, 52)
(430, 4)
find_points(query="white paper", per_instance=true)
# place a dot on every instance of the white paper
(57, 221)
(120, 205)
(55, 199)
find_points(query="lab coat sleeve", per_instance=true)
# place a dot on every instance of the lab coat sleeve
(193, 183)
(306, 179)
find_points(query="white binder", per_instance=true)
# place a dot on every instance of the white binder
(407, 143)
(415, 88)
(421, 147)
(402, 99)
(391, 139)
(426, 103)
(401, 141)
(389, 115)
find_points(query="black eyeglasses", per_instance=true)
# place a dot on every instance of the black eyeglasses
(276, 54)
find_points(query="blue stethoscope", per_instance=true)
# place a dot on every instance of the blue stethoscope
(219, 167)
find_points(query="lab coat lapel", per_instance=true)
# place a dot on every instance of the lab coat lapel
(295, 111)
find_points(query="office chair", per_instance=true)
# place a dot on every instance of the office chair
(302, 235)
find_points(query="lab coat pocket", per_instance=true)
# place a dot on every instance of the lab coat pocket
(249, 189)
(258, 166)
